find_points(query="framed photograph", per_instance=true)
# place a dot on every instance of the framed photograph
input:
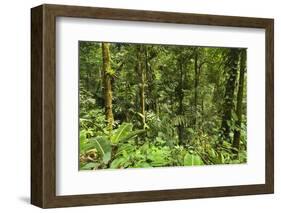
(136, 106)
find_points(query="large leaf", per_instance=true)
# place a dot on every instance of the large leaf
(118, 163)
(142, 165)
(124, 133)
(106, 157)
(89, 166)
(131, 135)
(83, 138)
(158, 156)
(101, 144)
(125, 148)
(119, 133)
(192, 160)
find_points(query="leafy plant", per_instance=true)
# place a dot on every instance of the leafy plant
(105, 144)
(192, 160)
(124, 133)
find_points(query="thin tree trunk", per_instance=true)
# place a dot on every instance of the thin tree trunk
(196, 81)
(228, 106)
(237, 132)
(141, 71)
(180, 98)
(88, 81)
(107, 78)
(148, 80)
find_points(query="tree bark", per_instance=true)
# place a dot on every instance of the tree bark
(141, 71)
(107, 84)
(196, 82)
(237, 132)
(150, 85)
(228, 106)
(180, 95)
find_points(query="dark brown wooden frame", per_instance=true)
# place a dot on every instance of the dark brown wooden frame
(43, 105)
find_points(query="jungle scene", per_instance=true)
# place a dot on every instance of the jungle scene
(151, 105)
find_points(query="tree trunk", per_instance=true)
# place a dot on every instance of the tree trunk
(196, 82)
(141, 71)
(228, 106)
(107, 84)
(180, 99)
(88, 80)
(237, 133)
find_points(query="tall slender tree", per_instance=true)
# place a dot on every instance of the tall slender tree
(196, 82)
(107, 84)
(239, 102)
(180, 95)
(142, 77)
(228, 106)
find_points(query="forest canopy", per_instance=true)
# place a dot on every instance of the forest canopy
(147, 105)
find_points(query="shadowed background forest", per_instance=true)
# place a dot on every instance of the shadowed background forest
(145, 105)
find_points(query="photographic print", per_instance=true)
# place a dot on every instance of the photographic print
(152, 105)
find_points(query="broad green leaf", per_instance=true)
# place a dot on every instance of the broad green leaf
(158, 157)
(125, 148)
(221, 158)
(106, 157)
(192, 160)
(142, 165)
(89, 166)
(234, 116)
(118, 162)
(212, 153)
(101, 144)
(119, 133)
(124, 133)
(131, 135)
(190, 130)
(83, 138)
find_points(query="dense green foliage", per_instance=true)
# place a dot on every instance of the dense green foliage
(160, 105)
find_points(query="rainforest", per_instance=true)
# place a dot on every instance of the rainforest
(158, 105)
